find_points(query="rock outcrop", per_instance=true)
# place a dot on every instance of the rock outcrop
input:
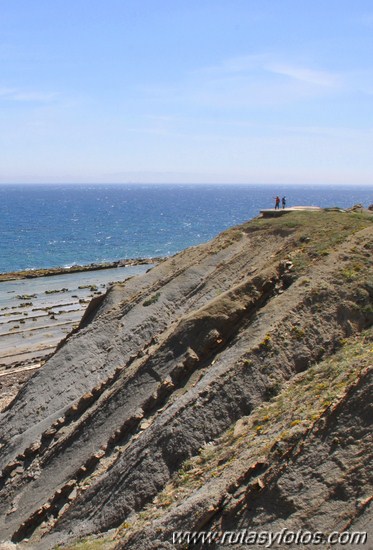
(205, 395)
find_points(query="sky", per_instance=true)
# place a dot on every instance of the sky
(192, 91)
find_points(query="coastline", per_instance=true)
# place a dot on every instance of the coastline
(38, 309)
(51, 271)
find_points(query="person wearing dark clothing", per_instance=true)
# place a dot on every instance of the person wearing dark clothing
(283, 202)
(277, 203)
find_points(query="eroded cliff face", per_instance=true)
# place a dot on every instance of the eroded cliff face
(152, 417)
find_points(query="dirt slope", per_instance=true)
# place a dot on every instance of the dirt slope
(167, 364)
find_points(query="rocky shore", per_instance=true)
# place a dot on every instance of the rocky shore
(227, 388)
(40, 308)
(46, 272)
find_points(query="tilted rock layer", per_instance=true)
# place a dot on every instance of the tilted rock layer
(203, 395)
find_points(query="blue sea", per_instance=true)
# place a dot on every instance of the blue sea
(46, 226)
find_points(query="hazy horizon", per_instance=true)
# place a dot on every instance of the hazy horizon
(181, 183)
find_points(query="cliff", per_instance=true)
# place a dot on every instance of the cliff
(227, 388)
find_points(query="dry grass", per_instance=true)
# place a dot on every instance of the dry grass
(285, 418)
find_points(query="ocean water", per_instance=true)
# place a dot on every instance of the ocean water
(45, 226)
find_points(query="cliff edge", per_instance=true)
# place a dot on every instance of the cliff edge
(226, 389)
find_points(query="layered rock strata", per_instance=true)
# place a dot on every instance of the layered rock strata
(164, 364)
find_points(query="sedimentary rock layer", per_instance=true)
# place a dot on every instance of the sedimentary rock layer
(164, 364)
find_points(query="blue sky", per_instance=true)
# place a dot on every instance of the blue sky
(256, 91)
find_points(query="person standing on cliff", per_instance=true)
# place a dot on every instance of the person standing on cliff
(283, 202)
(277, 203)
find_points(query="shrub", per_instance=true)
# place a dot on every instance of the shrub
(152, 300)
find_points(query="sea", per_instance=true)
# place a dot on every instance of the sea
(60, 225)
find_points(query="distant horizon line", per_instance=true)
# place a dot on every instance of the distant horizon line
(282, 183)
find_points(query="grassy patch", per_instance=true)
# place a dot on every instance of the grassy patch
(298, 332)
(152, 300)
(284, 418)
(90, 543)
(317, 232)
(352, 271)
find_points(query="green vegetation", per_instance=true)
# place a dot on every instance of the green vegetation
(316, 232)
(90, 543)
(285, 418)
(152, 300)
(266, 343)
(298, 332)
(352, 270)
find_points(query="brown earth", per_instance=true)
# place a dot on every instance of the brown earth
(226, 388)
